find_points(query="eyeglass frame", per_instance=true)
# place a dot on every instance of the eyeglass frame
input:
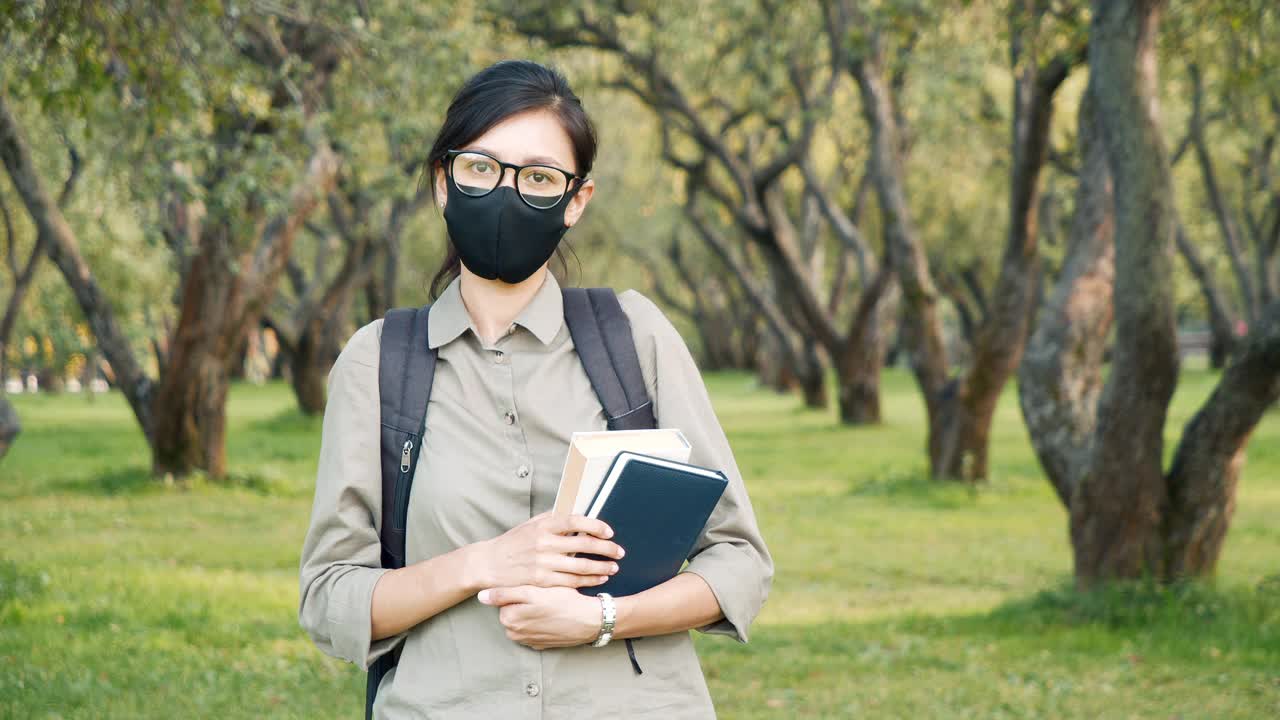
(451, 155)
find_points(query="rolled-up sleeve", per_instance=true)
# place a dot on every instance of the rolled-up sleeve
(341, 555)
(731, 554)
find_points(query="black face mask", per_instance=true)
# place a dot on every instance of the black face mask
(499, 236)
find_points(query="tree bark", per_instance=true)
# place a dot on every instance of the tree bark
(860, 360)
(902, 245)
(1206, 466)
(1128, 518)
(1060, 378)
(192, 391)
(1116, 516)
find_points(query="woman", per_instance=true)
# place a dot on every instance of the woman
(488, 608)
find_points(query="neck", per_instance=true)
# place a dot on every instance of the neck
(493, 304)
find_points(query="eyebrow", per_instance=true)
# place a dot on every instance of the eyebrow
(530, 160)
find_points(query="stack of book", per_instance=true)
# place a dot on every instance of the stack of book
(641, 484)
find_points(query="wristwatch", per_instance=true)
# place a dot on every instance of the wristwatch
(609, 613)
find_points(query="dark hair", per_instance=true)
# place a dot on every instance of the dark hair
(504, 89)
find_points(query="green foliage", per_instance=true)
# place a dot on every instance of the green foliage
(893, 597)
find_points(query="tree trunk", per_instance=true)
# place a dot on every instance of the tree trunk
(859, 378)
(858, 363)
(224, 294)
(1061, 373)
(10, 426)
(775, 371)
(312, 356)
(309, 372)
(921, 324)
(1115, 519)
(812, 375)
(1128, 518)
(963, 420)
(1207, 463)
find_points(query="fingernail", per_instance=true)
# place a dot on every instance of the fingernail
(621, 552)
(484, 596)
(613, 567)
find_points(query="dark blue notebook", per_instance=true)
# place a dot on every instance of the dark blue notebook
(657, 509)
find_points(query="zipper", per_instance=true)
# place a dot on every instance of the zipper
(402, 486)
(404, 456)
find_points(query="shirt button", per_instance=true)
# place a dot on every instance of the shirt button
(509, 418)
(523, 471)
(499, 357)
(532, 689)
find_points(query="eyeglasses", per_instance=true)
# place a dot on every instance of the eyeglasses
(477, 174)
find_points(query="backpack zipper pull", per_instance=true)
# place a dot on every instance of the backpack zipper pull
(404, 456)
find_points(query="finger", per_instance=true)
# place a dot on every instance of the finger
(504, 595)
(584, 524)
(583, 566)
(552, 578)
(508, 615)
(587, 544)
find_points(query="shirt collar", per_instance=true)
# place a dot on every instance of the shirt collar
(543, 316)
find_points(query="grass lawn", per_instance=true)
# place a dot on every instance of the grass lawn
(894, 596)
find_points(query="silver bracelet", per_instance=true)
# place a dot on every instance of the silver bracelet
(608, 613)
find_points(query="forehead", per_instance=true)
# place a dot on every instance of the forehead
(530, 137)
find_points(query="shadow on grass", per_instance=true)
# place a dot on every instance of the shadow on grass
(291, 420)
(1188, 623)
(20, 584)
(1188, 612)
(138, 481)
(1178, 620)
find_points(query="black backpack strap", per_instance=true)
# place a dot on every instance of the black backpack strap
(602, 335)
(406, 367)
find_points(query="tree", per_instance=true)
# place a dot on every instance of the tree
(734, 152)
(312, 328)
(22, 275)
(1129, 518)
(960, 408)
(229, 252)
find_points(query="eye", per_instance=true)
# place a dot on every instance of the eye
(480, 166)
(539, 177)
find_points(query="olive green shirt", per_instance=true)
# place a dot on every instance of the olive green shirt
(498, 427)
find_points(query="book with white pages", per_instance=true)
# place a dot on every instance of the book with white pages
(591, 453)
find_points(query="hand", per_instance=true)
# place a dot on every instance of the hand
(546, 617)
(537, 552)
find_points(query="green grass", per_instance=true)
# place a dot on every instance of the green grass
(894, 596)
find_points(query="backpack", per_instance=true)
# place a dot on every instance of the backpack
(602, 336)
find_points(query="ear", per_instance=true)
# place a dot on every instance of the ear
(442, 186)
(578, 203)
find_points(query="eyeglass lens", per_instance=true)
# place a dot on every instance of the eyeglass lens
(476, 174)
